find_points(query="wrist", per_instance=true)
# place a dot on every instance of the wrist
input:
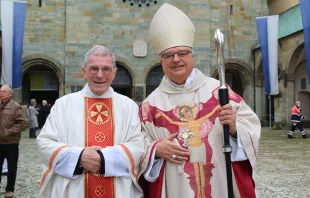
(102, 162)
(158, 143)
(78, 168)
(233, 133)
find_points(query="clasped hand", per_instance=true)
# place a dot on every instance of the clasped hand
(90, 159)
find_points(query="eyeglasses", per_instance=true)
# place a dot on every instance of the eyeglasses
(95, 69)
(180, 54)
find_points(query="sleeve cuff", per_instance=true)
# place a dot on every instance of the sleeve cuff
(66, 165)
(238, 152)
(102, 163)
(114, 163)
(153, 170)
(78, 168)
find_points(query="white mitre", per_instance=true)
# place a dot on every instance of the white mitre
(170, 27)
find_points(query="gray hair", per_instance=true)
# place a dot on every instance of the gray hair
(9, 88)
(33, 100)
(297, 102)
(99, 50)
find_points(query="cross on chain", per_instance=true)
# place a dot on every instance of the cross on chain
(185, 135)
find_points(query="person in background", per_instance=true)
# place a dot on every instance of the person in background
(296, 121)
(33, 103)
(43, 113)
(13, 122)
(33, 121)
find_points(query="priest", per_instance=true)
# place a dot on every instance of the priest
(91, 144)
(182, 123)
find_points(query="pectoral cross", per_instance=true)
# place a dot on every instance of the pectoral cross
(185, 135)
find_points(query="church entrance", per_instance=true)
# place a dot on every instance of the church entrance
(153, 79)
(41, 83)
(122, 82)
(298, 83)
(235, 79)
(302, 90)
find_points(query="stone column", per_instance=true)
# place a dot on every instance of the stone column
(17, 95)
(139, 91)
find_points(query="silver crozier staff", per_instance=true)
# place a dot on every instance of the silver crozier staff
(223, 98)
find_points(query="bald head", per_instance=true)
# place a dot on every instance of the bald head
(44, 102)
(6, 93)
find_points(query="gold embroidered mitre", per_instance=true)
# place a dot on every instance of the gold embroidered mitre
(170, 27)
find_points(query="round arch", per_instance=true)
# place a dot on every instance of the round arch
(153, 78)
(123, 81)
(295, 60)
(27, 64)
(43, 79)
(301, 88)
(237, 76)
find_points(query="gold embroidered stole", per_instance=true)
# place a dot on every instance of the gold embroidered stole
(99, 131)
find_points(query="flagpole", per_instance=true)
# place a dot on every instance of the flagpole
(269, 112)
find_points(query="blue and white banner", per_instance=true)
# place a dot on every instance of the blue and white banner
(268, 38)
(13, 15)
(305, 14)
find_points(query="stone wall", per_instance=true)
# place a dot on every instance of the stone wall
(291, 54)
(279, 6)
(65, 29)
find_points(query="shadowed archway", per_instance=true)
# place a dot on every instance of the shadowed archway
(154, 78)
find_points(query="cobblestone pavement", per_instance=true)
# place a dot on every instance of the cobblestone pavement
(282, 167)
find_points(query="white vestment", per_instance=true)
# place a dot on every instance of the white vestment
(204, 174)
(62, 139)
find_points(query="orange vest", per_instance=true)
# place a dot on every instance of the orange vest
(295, 110)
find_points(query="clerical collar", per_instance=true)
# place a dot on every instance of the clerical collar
(188, 81)
(89, 93)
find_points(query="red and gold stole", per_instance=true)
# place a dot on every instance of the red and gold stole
(99, 131)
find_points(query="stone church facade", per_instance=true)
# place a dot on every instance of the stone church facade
(59, 32)
(292, 70)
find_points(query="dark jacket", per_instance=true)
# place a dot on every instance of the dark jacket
(12, 122)
(43, 114)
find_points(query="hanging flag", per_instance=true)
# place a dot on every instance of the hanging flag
(13, 15)
(305, 14)
(268, 38)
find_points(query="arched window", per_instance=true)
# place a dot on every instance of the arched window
(153, 79)
(122, 82)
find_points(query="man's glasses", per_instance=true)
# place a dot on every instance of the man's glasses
(95, 69)
(180, 54)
